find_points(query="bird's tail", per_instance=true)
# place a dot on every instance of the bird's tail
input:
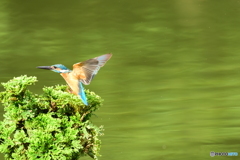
(82, 94)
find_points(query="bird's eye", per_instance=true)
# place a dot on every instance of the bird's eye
(54, 67)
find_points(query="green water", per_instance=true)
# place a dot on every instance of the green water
(172, 87)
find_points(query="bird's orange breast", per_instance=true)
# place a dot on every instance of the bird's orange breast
(72, 82)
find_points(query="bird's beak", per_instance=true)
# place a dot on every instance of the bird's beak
(45, 67)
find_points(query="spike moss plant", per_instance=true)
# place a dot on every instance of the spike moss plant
(53, 126)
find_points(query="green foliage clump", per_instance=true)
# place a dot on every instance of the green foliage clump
(53, 126)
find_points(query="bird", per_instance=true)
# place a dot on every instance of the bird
(82, 73)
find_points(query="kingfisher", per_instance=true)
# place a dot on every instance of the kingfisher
(82, 73)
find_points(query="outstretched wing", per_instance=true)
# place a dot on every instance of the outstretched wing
(85, 71)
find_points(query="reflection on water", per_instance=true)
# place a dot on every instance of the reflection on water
(171, 89)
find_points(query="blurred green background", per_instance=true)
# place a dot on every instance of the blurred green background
(172, 87)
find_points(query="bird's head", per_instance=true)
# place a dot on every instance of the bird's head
(59, 68)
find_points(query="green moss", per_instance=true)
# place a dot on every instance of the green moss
(53, 126)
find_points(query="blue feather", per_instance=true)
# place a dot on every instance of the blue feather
(82, 94)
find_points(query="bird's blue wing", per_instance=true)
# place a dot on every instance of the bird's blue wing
(82, 94)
